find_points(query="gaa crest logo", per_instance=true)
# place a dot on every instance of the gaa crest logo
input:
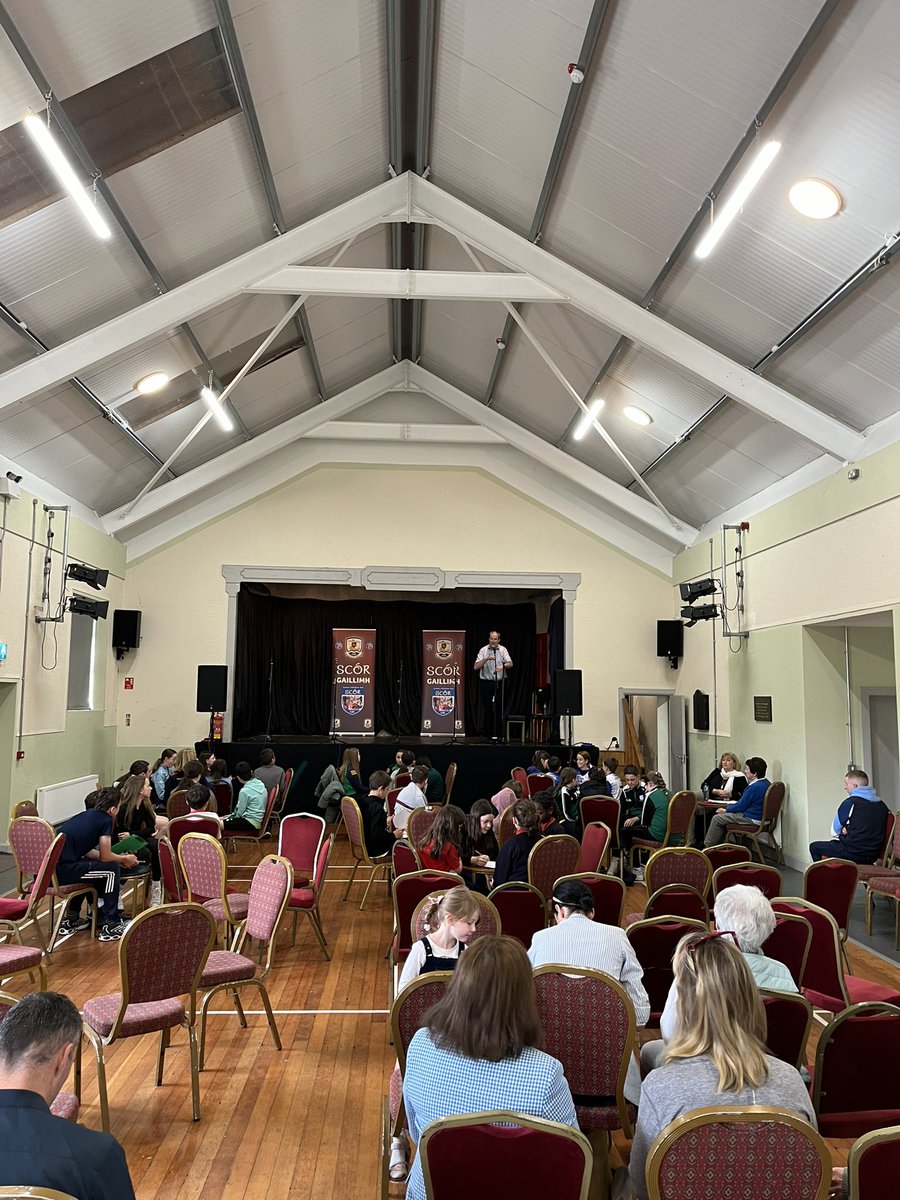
(443, 647)
(353, 700)
(354, 647)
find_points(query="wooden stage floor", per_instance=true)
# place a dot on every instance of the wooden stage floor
(303, 1123)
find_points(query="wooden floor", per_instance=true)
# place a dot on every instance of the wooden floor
(302, 1122)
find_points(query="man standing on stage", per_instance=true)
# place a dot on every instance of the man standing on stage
(492, 664)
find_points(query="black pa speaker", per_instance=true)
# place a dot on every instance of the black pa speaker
(669, 639)
(212, 689)
(701, 710)
(126, 629)
(567, 693)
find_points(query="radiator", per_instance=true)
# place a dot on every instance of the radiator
(58, 801)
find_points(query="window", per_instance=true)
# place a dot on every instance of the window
(82, 640)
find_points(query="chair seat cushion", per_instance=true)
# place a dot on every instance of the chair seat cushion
(66, 889)
(239, 903)
(395, 1092)
(224, 966)
(867, 872)
(742, 828)
(12, 910)
(885, 885)
(855, 1124)
(66, 1106)
(646, 843)
(860, 990)
(632, 917)
(832, 1004)
(302, 897)
(19, 958)
(100, 1014)
(601, 1116)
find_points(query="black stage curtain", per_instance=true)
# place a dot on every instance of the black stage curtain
(295, 636)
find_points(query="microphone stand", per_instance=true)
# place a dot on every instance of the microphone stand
(399, 700)
(269, 700)
(333, 733)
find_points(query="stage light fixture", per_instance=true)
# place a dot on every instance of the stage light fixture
(701, 612)
(696, 588)
(93, 576)
(96, 609)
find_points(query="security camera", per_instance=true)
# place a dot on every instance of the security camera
(575, 72)
(13, 477)
(501, 345)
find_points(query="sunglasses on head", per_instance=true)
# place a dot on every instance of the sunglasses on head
(710, 937)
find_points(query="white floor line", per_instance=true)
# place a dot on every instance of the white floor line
(305, 1012)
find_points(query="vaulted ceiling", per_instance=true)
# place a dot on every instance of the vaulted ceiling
(267, 148)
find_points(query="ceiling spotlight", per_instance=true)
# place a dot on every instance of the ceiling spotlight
(588, 419)
(815, 198)
(217, 408)
(154, 382)
(735, 202)
(637, 415)
(501, 345)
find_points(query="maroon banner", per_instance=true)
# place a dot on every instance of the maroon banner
(443, 682)
(353, 681)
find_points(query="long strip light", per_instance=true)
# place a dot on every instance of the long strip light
(738, 197)
(587, 420)
(64, 172)
(218, 410)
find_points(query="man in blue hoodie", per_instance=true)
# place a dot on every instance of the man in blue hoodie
(748, 809)
(860, 824)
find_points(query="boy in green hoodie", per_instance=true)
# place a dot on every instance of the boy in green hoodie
(251, 802)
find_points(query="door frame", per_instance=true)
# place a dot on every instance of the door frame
(667, 694)
(865, 722)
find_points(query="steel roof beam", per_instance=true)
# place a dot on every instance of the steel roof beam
(407, 285)
(393, 23)
(422, 163)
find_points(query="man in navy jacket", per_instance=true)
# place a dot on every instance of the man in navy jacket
(38, 1040)
(861, 823)
(745, 811)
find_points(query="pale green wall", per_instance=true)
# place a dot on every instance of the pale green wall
(871, 665)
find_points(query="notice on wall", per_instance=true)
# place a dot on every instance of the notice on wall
(353, 682)
(443, 681)
(762, 708)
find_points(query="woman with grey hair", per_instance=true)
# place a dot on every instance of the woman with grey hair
(749, 915)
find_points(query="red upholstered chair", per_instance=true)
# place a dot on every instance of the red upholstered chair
(654, 943)
(788, 1021)
(254, 835)
(724, 855)
(489, 923)
(204, 869)
(831, 883)
(550, 859)
(595, 843)
(401, 780)
(300, 838)
(522, 909)
(856, 1087)
(65, 1104)
(889, 859)
(29, 839)
(449, 780)
(25, 808)
(223, 795)
(766, 878)
(789, 943)
(281, 798)
(675, 900)
(772, 803)
(677, 864)
(407, 1012)
(419, 822)
(14, 911)
(356, 832)
(404, 858)
(406, 892)
(764, 1151)
(520, 775)
(306, 899)
(161, 959)
(678, 823)
(589, 1025)
(177, 805)
(480, 1156)
(192, 822)
(608, 892)
(229, 970)
(170, 869)
(823, 983)
(505, 829)
(539, 783)
(392, 800)
(887, 886)
(874, 1158)
(604, 809)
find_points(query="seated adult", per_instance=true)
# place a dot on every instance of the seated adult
(373, 809)
(434, 785)
(726, 781)
(748, 809)
(478, 1049)
(250, 808)
(863, 821)
(502, 800)
(38, 1041)
(512, 859)
(717, 1054)
(87, 856)
(479, 843)
(268, 770)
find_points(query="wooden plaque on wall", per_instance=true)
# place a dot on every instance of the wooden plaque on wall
(762, 708)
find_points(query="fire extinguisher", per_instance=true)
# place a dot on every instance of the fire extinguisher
(217, 727)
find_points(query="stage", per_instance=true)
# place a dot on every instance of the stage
(482, 767)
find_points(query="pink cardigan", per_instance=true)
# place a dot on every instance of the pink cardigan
(503, 799)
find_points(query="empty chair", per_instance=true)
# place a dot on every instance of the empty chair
(522, 909)
(772, 804)
(31, 839)
(766, 878)
(608, 892)
(606, 810)
(204, 869)
(831, 883)
(788, 1021)
(887, 886)
(595, 843)
(856, 1087)
(404, 858)
(223, 797)
(874, 1158)
(654, 943)
(449, 780)
(539, 783)
(551, 858)
(675, 900)
(15, 911)
(170, 869)
(723, 855)
(356, 831)
(24, 808)
(677, 864)
(299, 839)
(306, 899)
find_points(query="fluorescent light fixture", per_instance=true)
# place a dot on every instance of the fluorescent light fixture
(637, 415)
(735, 202)
(587, 420)
(154, 382)
(62, 169)
(815, 198)
(218, 410)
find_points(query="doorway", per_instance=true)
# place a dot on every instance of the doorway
(881, 752)
(659, 722)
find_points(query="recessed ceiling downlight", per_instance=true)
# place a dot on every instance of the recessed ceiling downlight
(815, 198)
(637, 415)
(154, 382)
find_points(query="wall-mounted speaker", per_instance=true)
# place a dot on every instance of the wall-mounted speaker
(669, 639)
(567, 694)
(126, 630)
(212, 689)
(700, 710)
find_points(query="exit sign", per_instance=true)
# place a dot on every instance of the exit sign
(129, 683)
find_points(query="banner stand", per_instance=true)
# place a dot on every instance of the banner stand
(353, 683)
(443, 683)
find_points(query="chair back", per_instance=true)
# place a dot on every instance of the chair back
(772, 802)
(392, 800)
(323, 857)
(406, 892)
(763, 1151)
(831, 883)
(270, 890)
(855, 1083)
(356, 833)
(727, 853)
(677, 864)
(550, 859)
(411, 1005)
(679, 817)
(401, 780)
(299, 838)
(789, 943)
(608, 892)
(25, 808)
(285, 787)
(874, 1158)
(654, 942)
(505, 829)
(677, 900)
(419, 822)
(404, 858)
(501, 1153)
(193, 822)
(788, 1021)
(177, 805)
(520, 775)
(29, 839)
(43, 880)
(522, 909)
(539, 783)
(170, 869)
(605, 809)
(767, 879)
(204, 867)
(822, 980)
(589, 1025)
(594, 843)
(162, 955)
(885, 858)
(224, 797)
(449, 780)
